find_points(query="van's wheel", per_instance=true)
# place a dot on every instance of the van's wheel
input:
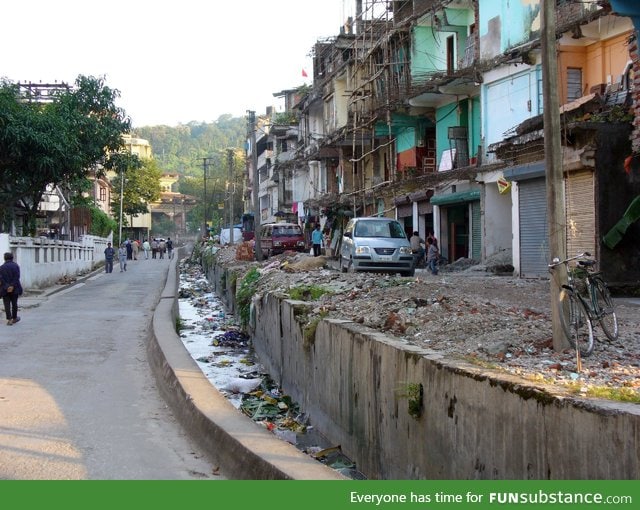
(351, 268)
(343, 268)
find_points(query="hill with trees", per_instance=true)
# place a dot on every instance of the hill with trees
(181, 149)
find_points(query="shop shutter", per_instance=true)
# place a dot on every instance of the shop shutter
(534, 237)
(476, 231)
(405, 210)
(581, 214)
(425, 207)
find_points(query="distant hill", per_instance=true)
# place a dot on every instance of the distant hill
(180, 149)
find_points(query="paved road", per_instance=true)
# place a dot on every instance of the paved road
(77, 397)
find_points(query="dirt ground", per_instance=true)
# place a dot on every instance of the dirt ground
(467, 313)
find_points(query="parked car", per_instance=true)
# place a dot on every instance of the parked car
(276, 238)
(376, 244)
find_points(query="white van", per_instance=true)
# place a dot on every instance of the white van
(225, 236)
(376, 244)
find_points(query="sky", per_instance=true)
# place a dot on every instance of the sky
(172, 61)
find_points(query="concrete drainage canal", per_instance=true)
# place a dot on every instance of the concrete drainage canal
(224, 354)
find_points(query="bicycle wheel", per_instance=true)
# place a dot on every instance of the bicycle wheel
(575, 322)
(606, 311)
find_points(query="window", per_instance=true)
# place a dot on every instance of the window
(103, 194)
(574, 83)
(450, 54)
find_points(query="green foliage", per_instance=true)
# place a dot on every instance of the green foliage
(285, 118)
(55, 143)
(307, 292)
(247, 289)
(101, 224)
(309, 330)
(414, 393)
(141, 186)
(631, 395)
(181, 149)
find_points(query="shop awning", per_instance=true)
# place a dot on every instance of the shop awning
(455, 198)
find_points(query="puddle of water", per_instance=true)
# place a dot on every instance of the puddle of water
(225, 357)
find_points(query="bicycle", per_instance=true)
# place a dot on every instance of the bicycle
(585, 299)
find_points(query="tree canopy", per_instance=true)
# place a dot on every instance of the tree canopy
(56, 142)
(141, 186)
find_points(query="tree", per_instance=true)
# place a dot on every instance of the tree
(55, 143)
(141, 185)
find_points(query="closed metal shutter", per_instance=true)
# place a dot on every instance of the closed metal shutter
(405, 210)
(534, 237)
(581, 214)
(476, 231)
(425, 207)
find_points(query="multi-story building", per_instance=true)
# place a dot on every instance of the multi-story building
(430, 111)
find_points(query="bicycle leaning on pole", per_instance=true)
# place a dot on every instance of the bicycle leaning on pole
(584, 299)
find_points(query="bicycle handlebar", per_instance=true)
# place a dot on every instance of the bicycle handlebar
(556, 262)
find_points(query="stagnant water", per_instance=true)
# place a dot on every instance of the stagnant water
(225, 356)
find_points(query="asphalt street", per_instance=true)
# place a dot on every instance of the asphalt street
(77, 397)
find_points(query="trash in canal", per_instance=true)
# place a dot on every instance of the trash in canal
(223, 353)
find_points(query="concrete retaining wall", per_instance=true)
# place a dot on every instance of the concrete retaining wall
(474, 424)
(242, 448)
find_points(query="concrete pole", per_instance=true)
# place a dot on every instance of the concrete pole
(231, 191)
(553, 162)
(256, 184)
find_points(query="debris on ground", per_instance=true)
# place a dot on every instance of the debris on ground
(468, 313)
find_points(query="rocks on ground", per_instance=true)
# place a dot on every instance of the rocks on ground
(465, 313)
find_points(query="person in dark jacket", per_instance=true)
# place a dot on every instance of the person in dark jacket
(10, 288)
(109, 253)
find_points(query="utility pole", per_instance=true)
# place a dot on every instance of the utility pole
(204, 170)
(231, 193)
(556, 215)
(256, 183)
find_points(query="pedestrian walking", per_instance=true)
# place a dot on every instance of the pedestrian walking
(122, 256)
(316, 240)
(169, 248)
(129, 247)
(136, 248)
(109, 253)
(162, 247)
(146, 247)
(433, 254)
(10, 288)
(154, 248)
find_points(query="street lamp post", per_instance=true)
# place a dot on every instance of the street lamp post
(121, 199)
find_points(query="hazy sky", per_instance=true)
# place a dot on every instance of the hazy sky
(172, 61)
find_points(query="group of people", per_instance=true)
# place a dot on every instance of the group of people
(430, 250)
(129, 250)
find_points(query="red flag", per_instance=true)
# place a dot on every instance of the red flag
(304, 73)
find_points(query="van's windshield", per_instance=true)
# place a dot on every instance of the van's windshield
(379, 228)
(286, 231)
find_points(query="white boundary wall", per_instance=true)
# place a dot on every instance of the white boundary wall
(44, 261)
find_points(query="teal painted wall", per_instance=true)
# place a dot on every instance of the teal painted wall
(510, 101)
(406, 139)
(506, 24)
(429, 47)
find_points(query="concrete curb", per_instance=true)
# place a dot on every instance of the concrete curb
(243, 448)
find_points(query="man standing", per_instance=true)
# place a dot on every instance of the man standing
(417, 249)
(109, 253)
(10, 288)
(316, 240)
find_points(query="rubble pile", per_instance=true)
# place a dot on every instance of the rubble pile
(472, 315)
